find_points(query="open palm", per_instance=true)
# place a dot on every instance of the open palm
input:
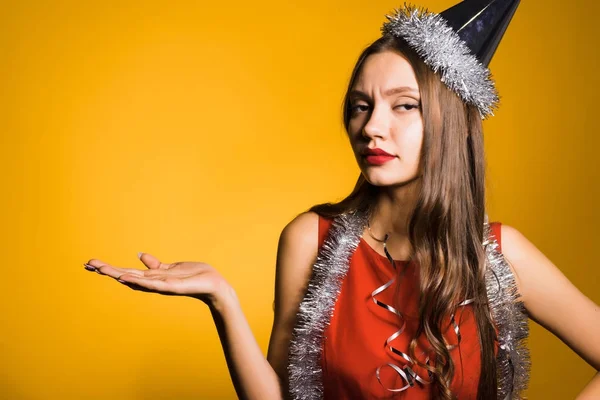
(186, 278)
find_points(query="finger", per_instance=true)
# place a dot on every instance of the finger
(157, 285)
(95, 263)
(151, 262)
(115, 272)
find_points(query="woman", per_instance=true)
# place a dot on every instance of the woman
(403, 288)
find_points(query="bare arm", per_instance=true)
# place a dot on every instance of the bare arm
(298, 246)
(254, 378)
(550, 299)
(592, 390)
(251, 374)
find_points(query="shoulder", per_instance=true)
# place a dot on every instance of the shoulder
(550, 298)
(301, 232)
(296, 252)
(524, 258)
(297, 249)
(515, 244)
(530, 266)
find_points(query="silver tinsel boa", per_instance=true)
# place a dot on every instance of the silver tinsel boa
(445, 52)
(324, 287)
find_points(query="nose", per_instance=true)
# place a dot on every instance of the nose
(377, 126)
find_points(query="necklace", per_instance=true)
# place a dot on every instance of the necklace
(384, 241)
(373, 236)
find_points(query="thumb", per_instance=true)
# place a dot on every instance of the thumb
(149, 260)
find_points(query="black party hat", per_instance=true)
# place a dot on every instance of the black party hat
(481, 24)
(457, 43)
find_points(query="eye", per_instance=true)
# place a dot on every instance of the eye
(408, 107)
(357, 108)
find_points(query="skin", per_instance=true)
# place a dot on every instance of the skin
(386, 114)
(391, 122)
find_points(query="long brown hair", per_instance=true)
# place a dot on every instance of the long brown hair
(446, 225)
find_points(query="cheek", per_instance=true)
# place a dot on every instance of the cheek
(354, 132)
(415, 146)
(354, 139)
(410, 142)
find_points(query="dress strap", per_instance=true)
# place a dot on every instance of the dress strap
(496, 231)
(324, 226)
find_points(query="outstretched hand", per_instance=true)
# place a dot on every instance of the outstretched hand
(187, 278)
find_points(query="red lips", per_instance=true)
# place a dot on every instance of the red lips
(376, 152)
(377, 156)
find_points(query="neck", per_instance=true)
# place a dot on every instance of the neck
(393, 208)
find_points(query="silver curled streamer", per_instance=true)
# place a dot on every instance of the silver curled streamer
(331, 266)
(442, 49)
(406, 372)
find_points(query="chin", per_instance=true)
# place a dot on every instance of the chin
(380, 179)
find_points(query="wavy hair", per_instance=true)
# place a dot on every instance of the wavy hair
(446, 225)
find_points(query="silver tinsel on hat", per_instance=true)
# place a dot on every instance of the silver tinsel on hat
(442, 49)
(324, 287)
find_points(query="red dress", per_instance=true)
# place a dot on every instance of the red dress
(354, 344)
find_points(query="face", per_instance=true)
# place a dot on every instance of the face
(386, 126)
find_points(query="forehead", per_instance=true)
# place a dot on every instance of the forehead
(385, 70)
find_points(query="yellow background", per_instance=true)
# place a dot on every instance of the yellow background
(196, 131)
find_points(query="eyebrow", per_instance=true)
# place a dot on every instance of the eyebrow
(388, 92)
